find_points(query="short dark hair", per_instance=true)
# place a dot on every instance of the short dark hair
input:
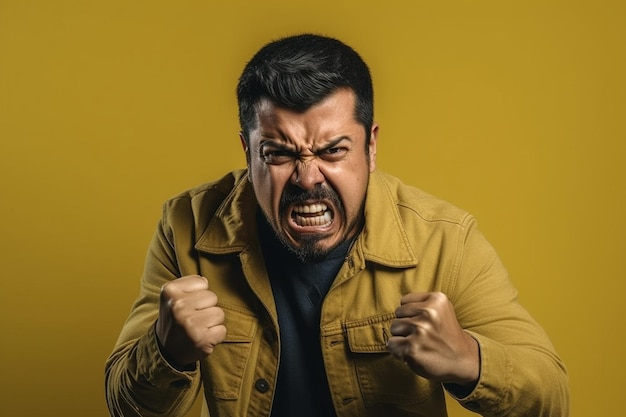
(299, 71)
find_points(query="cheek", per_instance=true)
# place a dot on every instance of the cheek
(350, 185)
(268, 184)
(356, 195)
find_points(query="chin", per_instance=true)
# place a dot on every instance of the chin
(311, 249)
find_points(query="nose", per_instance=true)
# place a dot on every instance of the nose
(307, 175)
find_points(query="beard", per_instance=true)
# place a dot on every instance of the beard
(310, 249)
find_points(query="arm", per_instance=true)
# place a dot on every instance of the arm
(519, 372)
(174, 322)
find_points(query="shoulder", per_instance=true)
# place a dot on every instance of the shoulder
(211, 190)
(199, 204)
(411, 201)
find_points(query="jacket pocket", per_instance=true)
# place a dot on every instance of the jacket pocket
(225, 367)
(383, 379)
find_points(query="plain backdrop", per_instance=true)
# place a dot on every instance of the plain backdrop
(512, 110)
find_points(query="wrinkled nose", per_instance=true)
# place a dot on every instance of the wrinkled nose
(307, 175)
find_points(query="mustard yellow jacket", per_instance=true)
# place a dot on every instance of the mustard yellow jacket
(411, 242)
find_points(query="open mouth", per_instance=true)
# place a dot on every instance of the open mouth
(315, 214)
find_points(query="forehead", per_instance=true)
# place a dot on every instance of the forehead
(335, 111)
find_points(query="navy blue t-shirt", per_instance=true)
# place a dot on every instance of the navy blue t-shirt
(299, 290)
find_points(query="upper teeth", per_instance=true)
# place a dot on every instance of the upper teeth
(311, 208)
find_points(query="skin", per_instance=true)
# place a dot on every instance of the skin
(429, 339)
(309, 171)
(288, 153)
(293, 154)
(190, 324)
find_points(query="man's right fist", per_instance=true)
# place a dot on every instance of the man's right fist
(190, 323)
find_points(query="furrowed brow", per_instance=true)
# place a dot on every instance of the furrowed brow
(274, 144)
(333, 143)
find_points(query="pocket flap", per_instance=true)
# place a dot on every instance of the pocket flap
(240, 325)
(370, 335)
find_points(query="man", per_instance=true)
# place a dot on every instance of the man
(312, 285)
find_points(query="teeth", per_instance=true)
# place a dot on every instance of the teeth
(311, 208)
(314, 214)
(322, 220)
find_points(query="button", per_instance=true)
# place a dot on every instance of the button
(262, 385)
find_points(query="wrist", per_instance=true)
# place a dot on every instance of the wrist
(468, 379)
(168, 358)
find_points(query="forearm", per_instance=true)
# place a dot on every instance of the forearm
(139, 382)
(518, 381)
(521, 375)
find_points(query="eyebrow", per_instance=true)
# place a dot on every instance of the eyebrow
(274, 144)
(334, 143)
(284, 146)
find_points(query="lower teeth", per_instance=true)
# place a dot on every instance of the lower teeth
(321, 220)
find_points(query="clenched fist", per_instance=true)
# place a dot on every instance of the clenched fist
(190, 323)
(429, 339)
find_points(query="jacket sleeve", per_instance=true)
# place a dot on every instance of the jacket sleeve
(138, 380)
(521, 375)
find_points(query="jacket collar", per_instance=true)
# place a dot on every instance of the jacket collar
(383, 240)
(233, 226)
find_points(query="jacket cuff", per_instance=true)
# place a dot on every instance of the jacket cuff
(157, 370)
(495, 378)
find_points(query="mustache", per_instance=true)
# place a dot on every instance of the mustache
(293, 194)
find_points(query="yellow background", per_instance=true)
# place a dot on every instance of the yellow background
(514, 111)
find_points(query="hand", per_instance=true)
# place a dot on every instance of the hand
(429, 339)
(190, 324)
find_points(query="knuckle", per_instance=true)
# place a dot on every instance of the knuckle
(212, 337)
(212, 297)
(219, 314)
(191, 277)
(431, 313)
(395, 345)
(439, 298)
(189, 322)
(166, 289)
(177, 305)
(221, 332)
(411, 350)
(395, 327)
(424, 328)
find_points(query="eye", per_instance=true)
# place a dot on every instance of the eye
(275, 156)
(334, 153)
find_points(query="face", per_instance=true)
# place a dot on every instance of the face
(310, 172)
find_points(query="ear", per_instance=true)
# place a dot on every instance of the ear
(372, 147)
(244, 145)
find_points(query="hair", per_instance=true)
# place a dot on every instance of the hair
(298, 72)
